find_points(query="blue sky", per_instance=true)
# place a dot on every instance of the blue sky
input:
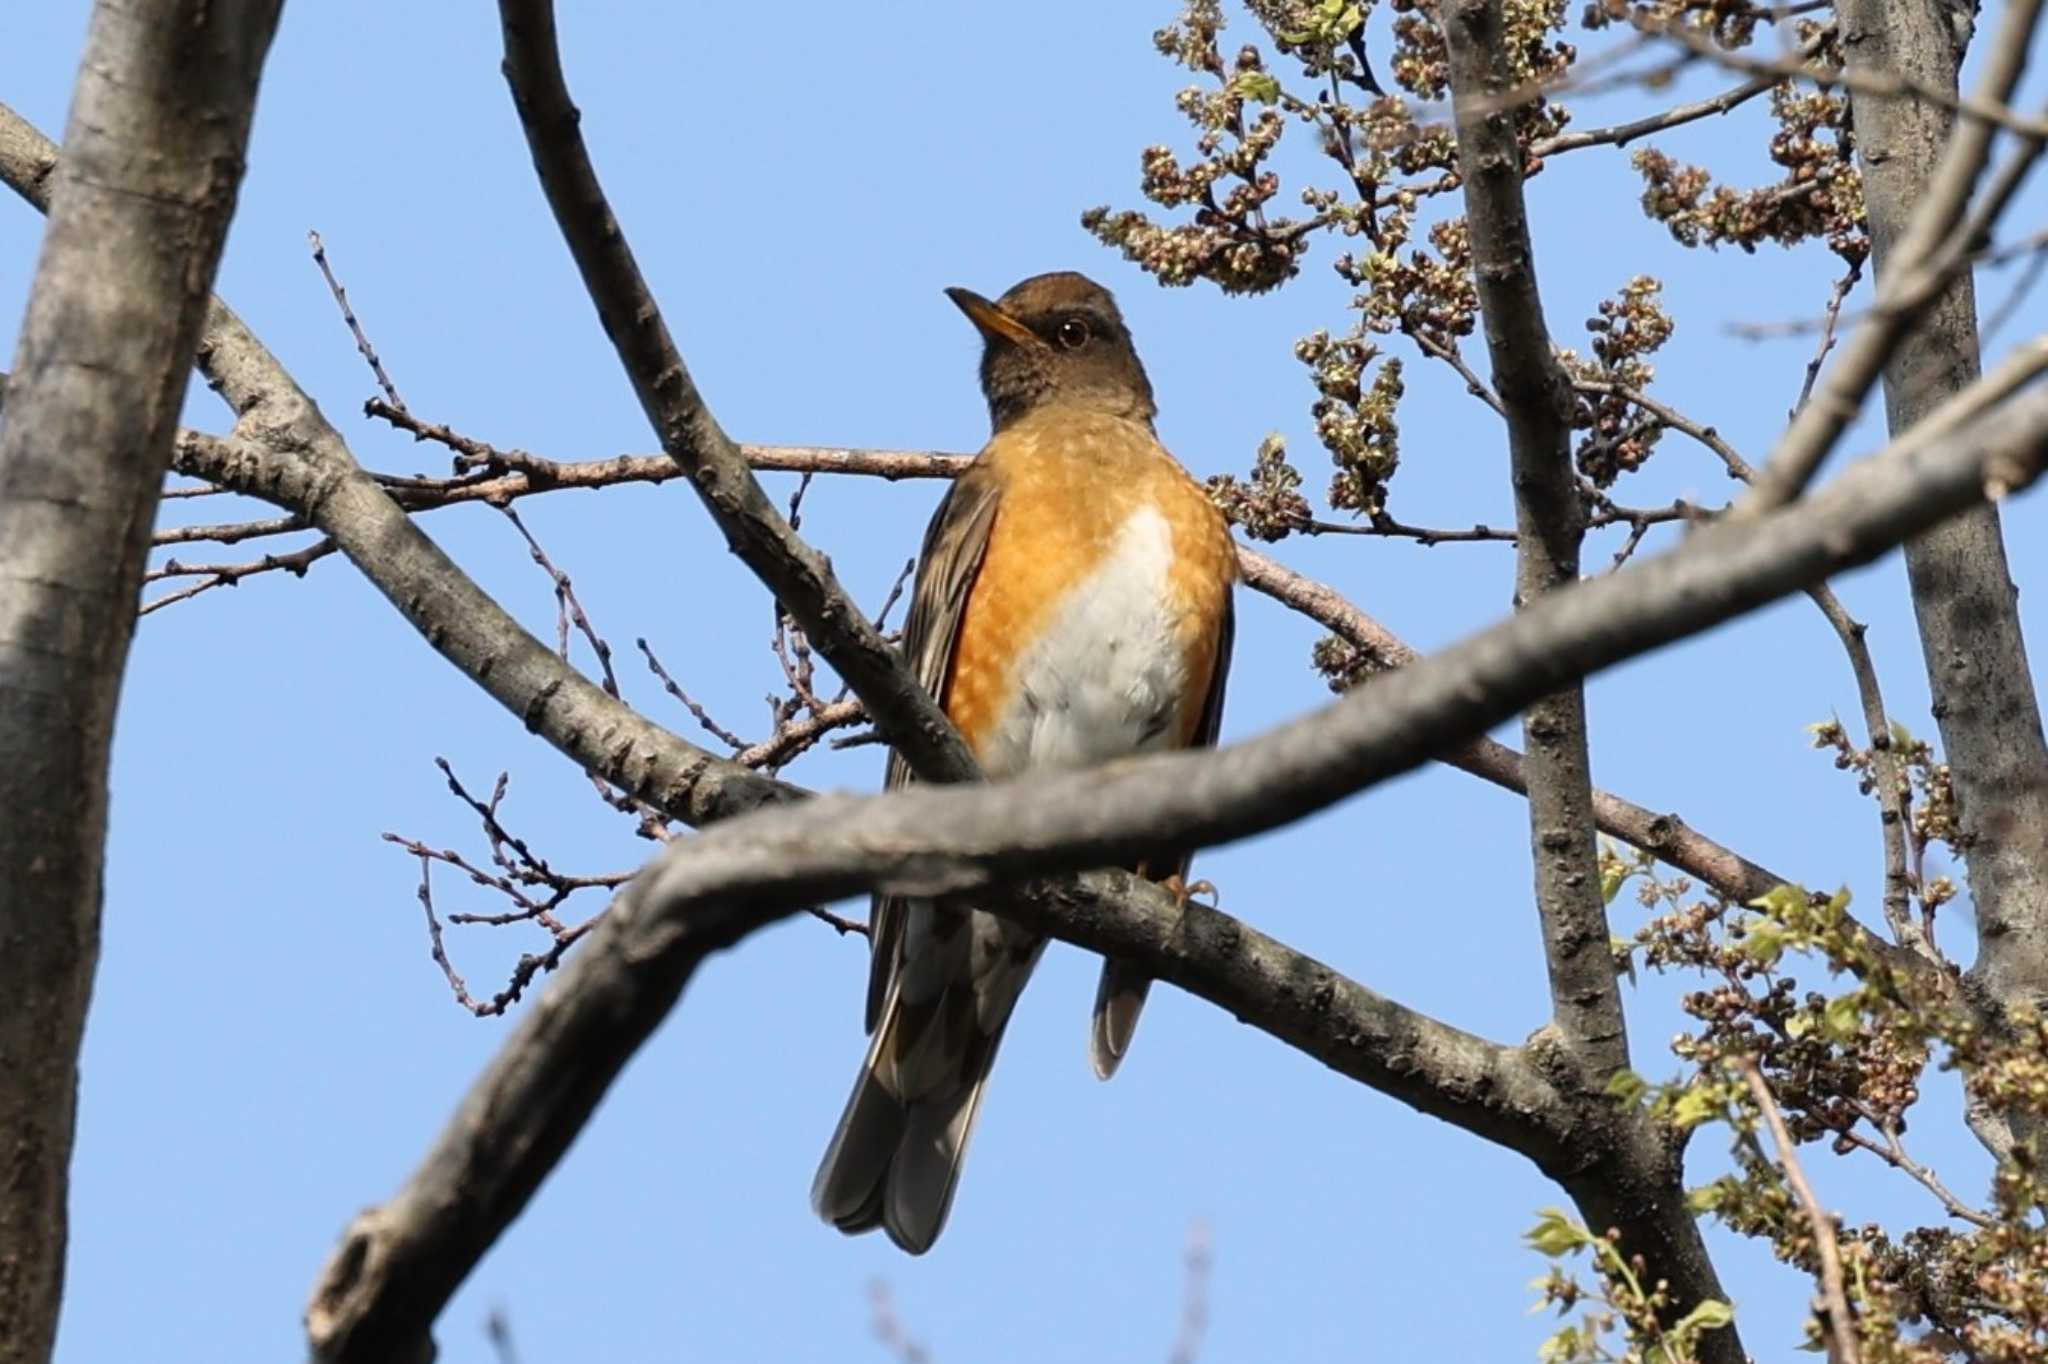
(271, 1047)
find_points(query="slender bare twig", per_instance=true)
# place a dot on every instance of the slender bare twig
(1621, 134)
(1447, 353)
(1194, 1302)
(1885, 773)
(470, 453)
(888, 1328)
(369, 352)
(2008, 308)
(702, 716)
(1941, 230)
(229, 575)
(800, 578)
(1669, 416)
(1893, 1153)
(1987, 110)
(228, 533)
(498, 1330)
(1832, 318)
(1841, 1326)
(568, 607)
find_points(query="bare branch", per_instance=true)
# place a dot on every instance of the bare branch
(1536, 399)
(1979, 678)
(1890, 782)
(228, 575)
(1916, 268)
(1841, 1326)
(400, 1261)
(1194, 1306)
(355, 328)
(799, 576)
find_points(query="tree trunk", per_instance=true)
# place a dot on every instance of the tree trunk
(158, 125)
(1963, 595)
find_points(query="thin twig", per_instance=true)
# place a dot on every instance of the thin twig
(888, 1327)
(498, 1330)
(229, 575)
(1841, 1326)
(1885, 774)
(1893, 1153)
(355, 328)
(1832, 320)
(567, 607)
(711, 726)
(1194, 1306)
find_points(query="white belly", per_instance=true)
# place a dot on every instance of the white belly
(1107, 677)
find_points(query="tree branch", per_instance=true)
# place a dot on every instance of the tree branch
(1537, 401)
(798, 575)
(1625, 1174)
(159, 123)
(400, 1261)
(1963, 596)
(1920, 237)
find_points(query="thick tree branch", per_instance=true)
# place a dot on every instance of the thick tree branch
(798, 575)
(1537, 402)
(372, 1305)
(381, 1289)
(1626, 1174)
(159, 123)
(1963, 595)
(1924, 239)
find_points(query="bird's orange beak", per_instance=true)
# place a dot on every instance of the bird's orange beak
(993, 322)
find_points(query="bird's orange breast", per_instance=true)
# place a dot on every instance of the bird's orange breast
(1071, 483)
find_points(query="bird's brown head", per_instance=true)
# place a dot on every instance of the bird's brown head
(1056, 338)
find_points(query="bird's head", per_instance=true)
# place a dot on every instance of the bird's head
(1056, 338)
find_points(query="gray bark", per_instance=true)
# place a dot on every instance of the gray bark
(377, 1293)
(159, 121)
(1622, 1172)
(1963, 595)
(1536, 400)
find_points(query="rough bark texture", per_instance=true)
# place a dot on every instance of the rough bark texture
(1623, 1172)
(1963, 595)
(381, 1289)
(159, 122)
(1536, 399)
(800, 577)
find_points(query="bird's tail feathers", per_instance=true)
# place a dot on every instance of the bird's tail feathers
(895, 1162)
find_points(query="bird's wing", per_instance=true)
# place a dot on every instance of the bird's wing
(954, 545)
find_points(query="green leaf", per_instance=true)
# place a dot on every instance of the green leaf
(1628, 1087)
(1694, 1107)
(1842, 1020)
(1781, 900)
(1261, 87)
(1555, 1233)
(1798, 1026)
(1707, 1197)
(1710, 1315)
(1764, 943)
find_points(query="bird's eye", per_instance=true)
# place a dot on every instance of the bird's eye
(1073, 333)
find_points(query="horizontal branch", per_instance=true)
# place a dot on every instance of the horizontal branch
(705, 892)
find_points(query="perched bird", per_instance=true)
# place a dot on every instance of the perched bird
(1073, 605)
